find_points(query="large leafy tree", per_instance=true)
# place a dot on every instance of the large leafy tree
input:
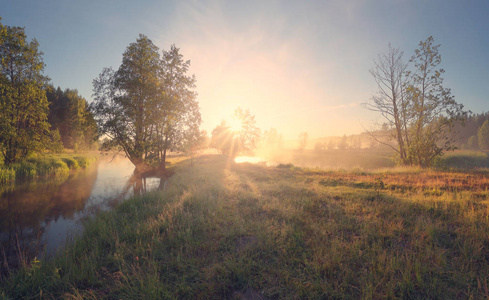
(147, 105)
(23, 104)
(420, 111)
(177, 117)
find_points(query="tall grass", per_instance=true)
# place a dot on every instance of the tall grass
(222, 230)
(7, 175)
(57, 165)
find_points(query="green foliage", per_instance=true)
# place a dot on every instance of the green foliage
(84, 161)
(7, 175)
(23, 105)
(55, 143)
(473, 143)
(147, 106)
(25, 169)
(49, 166)
(432, 109)
(71, 162)
(43, 166)
(192, 141)
(70, 114)
(483, 136)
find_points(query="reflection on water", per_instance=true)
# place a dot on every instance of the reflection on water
(37, 218)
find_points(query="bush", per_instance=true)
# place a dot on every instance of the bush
(43, 166)
(83, 161)
(7, 175)
(25, 169)
(71, 162)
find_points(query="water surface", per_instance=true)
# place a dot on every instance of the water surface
(37, 218)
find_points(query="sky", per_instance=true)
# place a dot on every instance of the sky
(296, 65)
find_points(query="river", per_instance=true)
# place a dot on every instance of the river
(38, 218)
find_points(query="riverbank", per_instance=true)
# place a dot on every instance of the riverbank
(41, 166)
(226, 230)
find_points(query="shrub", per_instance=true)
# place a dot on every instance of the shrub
(7, 175)
(71, 162)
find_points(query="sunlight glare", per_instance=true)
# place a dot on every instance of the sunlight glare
(249, 159)
(235, 125)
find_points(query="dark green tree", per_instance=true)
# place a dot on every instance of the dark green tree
(70, 114)
(23, 105)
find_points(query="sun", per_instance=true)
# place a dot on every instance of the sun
(235, 125)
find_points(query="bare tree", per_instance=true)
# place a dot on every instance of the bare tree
(390, 99)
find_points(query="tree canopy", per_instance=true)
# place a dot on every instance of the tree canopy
(147, 107)
(23, 103)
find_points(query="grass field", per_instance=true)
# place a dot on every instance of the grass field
(243, 231)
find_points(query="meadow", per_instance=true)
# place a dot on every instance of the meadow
(247, 231)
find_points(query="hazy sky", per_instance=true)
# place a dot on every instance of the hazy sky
(296, 65)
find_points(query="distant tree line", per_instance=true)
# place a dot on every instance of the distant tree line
(33, 117)
(473, 135)
(351, 142)
(71, 116)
